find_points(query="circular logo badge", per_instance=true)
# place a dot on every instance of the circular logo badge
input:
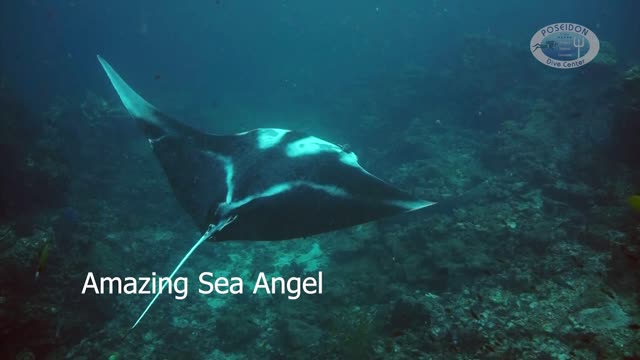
(565, 45)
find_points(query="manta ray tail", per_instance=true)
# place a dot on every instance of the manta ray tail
(207, 235)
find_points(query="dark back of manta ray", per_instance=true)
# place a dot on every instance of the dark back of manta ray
(199, 183)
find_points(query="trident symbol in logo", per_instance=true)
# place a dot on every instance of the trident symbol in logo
(578, 42)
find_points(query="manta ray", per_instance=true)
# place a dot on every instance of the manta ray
(260, 185)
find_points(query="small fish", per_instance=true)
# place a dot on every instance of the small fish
(634, 327)
(634, 202)
(44, 257)
(156, 77)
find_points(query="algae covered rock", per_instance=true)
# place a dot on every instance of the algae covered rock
(607, 317)
(299, 334)
(407, 314)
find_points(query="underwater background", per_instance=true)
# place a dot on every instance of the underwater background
(538, 256)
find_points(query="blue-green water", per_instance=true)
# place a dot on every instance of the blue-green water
(532, 253)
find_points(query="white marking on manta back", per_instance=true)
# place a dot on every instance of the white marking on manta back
(410, 205)
(228, 169)
(270, 137)
(283, 188)
(350, 159)
(158, 139)
(310, 145)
